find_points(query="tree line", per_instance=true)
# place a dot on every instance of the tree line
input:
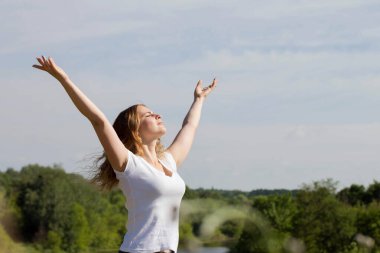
(45, 209)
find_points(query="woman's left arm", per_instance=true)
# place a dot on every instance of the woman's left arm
(184, 139)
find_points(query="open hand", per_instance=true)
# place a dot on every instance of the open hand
(49, 66)
(203, 92)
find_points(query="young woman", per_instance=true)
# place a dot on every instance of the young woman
(134, 159)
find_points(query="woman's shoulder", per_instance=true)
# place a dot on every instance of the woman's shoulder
(131, 162)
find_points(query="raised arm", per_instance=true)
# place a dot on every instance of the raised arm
(115, 150)
(184, 139)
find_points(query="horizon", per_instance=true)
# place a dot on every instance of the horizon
(332, 180)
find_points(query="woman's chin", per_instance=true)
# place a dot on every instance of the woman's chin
(163, 132)
(163, 128)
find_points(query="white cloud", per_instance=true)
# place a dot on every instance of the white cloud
(276, 9)
(298, 83)
(289, 75)
(273, 156)
(47, 23)
(250, 157)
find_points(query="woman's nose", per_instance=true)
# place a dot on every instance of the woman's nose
(157, 116)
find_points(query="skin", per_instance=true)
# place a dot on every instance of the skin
(151, 125)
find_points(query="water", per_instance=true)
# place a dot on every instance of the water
(199, 250)
(206, 250)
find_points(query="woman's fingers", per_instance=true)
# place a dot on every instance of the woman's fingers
(42, 66)
(46, 61)
(51, 61)
(211, 86)
(199, 84)
(213, 83)
(45, 64)
(38, 67)
(40, 61)
(43, 58)
(48, 65)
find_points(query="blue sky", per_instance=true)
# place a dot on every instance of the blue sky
(297, 101)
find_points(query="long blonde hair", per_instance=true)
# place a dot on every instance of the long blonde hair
(126, 126)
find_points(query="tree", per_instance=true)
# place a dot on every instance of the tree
(368, 222)
(64, 211)
(76, 231)
(322, 222)
(354, 195)
(259, 237)
(278, 209)
(373, 192)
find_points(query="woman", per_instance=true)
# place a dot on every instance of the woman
(134, 159)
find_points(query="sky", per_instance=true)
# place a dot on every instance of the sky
(297, 101)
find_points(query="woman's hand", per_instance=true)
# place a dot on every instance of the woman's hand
(49, 66)
(203, 92)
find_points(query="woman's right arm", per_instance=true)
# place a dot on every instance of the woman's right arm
(115, 150)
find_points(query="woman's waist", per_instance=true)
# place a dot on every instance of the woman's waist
(157, 217)
(134, 232)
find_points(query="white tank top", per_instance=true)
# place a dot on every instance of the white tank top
(153, 202)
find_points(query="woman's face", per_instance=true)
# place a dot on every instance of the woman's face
(151, 124)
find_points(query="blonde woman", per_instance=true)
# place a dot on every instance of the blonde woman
(135, 160)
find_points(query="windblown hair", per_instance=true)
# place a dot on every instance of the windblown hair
(126, 126)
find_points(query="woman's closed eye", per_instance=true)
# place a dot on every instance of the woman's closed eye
(149, 114)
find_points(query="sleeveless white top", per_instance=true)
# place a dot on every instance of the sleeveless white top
(153, 202)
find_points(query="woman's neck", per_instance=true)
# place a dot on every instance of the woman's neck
(150, 154)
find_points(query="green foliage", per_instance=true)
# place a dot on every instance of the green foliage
(232, 228)
(7, 245)
(58, 212)
(373, 192)
(209, 194)
(190, 194)
(233, 196)
(259, 237)
(354, 195)
(316, 217)
(76, 230)
(185, 233)
(358, 195)
(63, 212)
(265, 192)
(322, 222)
(279, 209)
(368, 222)
(53, 242)
(43, 195)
